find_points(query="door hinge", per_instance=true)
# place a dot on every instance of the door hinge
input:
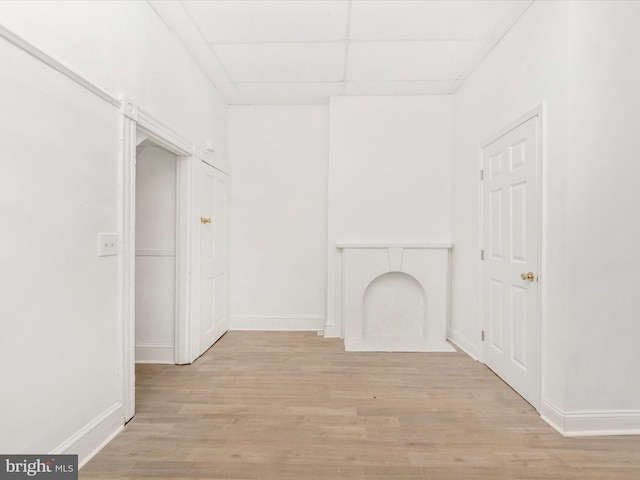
(482, 335)
(481, 254)
(481, 174)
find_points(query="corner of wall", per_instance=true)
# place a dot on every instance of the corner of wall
(155, 353)
(553, 416)
(464, 344)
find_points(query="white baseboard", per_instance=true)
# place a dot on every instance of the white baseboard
(311, 323)
(464, 344)
(92, 438)
(587, 424)
(155, 353)
(332, 331)
(553, 416)
(401, 344)
(579, 424)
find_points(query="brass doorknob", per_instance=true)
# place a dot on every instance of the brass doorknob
(205, 220)
(528, 276)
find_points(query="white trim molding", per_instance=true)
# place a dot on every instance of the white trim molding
(134, 121)
(91, 438)
(127, 185)
(588, 424)
(160, 133)
(463, 344)
(278, 322)
(211, 159)
(553, 416)
(155, 353)
(47, 59)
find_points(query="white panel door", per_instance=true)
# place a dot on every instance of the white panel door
(214, 256)
(511, 250)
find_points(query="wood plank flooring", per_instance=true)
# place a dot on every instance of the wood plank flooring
(296, 406)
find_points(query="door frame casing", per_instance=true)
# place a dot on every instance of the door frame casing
(537, 112)
(189, 157)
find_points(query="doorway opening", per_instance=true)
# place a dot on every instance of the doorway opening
(156, 273)
(156, 255)
(167, 159)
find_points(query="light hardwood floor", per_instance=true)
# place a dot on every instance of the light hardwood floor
(296, 406)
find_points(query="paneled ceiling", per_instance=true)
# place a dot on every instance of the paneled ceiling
(273, 52)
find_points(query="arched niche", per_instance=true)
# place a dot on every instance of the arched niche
(394, 305)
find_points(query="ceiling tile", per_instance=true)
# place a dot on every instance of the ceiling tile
(208, 61)
(398, 61)
(401, 88)
(431, 20)
(269, 21)
(293, 51)
(287, 93)
(286, 62)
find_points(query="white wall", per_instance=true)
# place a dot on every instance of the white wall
(279, 157)
(389, 181)
(390, 168)
(59, 312)
(155, 254)
(59, 306)
(526, 69)
(579, 60)
(603, 221)
(389, 175)
(124, 47)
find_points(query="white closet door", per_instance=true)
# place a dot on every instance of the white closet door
(510, 282)
(214, 256)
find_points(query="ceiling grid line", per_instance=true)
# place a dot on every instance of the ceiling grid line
(215, 55)
(352, 40)
(174, 20)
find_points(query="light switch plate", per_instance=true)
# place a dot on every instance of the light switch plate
(107, 244)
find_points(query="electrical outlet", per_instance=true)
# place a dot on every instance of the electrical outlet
(107, 244)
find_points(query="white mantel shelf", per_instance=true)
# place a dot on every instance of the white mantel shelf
(344, 245)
